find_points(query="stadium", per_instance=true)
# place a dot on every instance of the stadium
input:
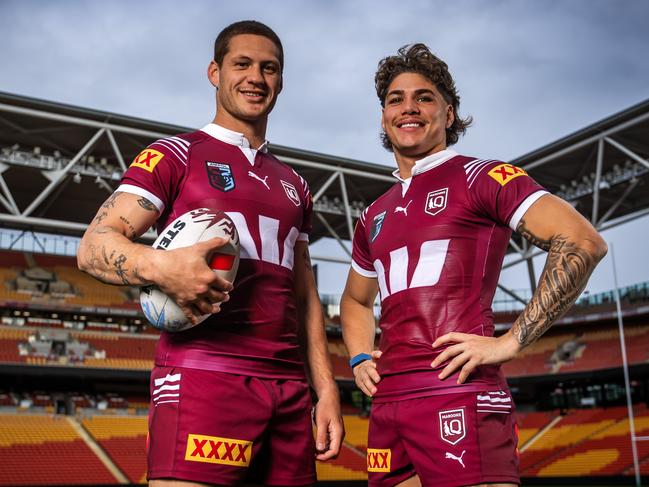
(75, 355)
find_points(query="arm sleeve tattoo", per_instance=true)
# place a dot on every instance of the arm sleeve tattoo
(564, 277)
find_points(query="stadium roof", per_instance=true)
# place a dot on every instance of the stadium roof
(602, 169)
(59, 163)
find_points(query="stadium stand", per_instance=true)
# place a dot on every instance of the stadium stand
(46, 450)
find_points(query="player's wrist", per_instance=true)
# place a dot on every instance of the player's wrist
(359, 359)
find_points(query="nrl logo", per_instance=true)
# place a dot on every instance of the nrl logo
(451, 426)
(377, 224)
(436, 201)
(291, 192)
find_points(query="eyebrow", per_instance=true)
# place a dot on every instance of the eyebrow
(417, 92)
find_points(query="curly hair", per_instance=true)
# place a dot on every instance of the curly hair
(417, 58)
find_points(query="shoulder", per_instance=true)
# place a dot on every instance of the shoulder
(379, 205)
(173, 149)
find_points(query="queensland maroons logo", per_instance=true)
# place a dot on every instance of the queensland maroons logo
(220, 176)
(436, 201)
(291, 192)
(452, 427)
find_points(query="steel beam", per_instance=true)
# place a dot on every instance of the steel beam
(627, 151)
(333, 233)
(50, 187)
(598, 177)
(348, 211)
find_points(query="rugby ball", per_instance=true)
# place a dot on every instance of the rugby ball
(194, 226)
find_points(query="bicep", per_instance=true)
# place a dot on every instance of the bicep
(126, 213)
(361, 289)
(549, 217)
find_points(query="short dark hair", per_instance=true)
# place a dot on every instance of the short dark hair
(222, 42)
(417, 58)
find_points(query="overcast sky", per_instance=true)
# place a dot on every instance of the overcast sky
(529, 72)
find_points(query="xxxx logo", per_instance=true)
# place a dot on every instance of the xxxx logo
(147, 159)
(504, 173)
(378, 460)
(212, 449)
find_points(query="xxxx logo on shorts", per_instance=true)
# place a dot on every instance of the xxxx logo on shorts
(451, 425)
(378, 460)
(147, 159)
(212, 449)
(504, 173)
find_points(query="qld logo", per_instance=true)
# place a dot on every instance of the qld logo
(452, 428)
(377, 224)
(291, 192)
(436, 201)
(220, 176)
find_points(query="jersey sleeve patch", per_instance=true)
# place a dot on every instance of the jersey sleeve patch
(504, 173)
(148, 159)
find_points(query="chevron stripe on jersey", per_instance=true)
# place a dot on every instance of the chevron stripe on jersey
(179, 147)
(474, 168)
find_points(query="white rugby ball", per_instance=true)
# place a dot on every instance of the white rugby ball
(194, 226)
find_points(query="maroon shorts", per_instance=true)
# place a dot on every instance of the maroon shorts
(220, 428)
(448, 440)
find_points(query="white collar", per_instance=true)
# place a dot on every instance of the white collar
(231, 137)
(426, 164)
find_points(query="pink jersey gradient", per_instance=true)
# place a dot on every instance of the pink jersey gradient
(437, 251)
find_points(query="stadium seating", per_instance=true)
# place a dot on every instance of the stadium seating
(124, 440)
(46, 450)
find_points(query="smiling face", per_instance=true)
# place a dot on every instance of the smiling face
(248, 81)
(415, 117)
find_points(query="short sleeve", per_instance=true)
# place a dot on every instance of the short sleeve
(501, 191)
(307, 204)
(361, 259)
(157, 171)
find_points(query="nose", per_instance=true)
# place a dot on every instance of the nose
(255, 75)
(409, 106)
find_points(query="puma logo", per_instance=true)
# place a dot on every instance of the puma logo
(404, 209)
(263, 181)
(450, 456)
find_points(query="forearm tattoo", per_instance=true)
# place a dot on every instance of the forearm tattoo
(564, 277)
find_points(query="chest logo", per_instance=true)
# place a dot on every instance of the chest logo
(504, 173)
(220, 176)
(403, 209)
(451, 426)
(436, 201)
(262, 181)
(291, 192)
(377, 224)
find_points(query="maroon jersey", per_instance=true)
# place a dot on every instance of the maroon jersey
(255, 333)
(435, 243)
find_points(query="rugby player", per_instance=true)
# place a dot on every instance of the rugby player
(230, 400)
(433, 246)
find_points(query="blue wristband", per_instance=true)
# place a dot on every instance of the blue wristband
(357, 359)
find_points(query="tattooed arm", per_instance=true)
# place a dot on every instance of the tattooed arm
(574, 248)
(313, 340)
(108, 252)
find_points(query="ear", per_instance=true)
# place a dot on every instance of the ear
(383, 119)
(213, 72)
(450, 116)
